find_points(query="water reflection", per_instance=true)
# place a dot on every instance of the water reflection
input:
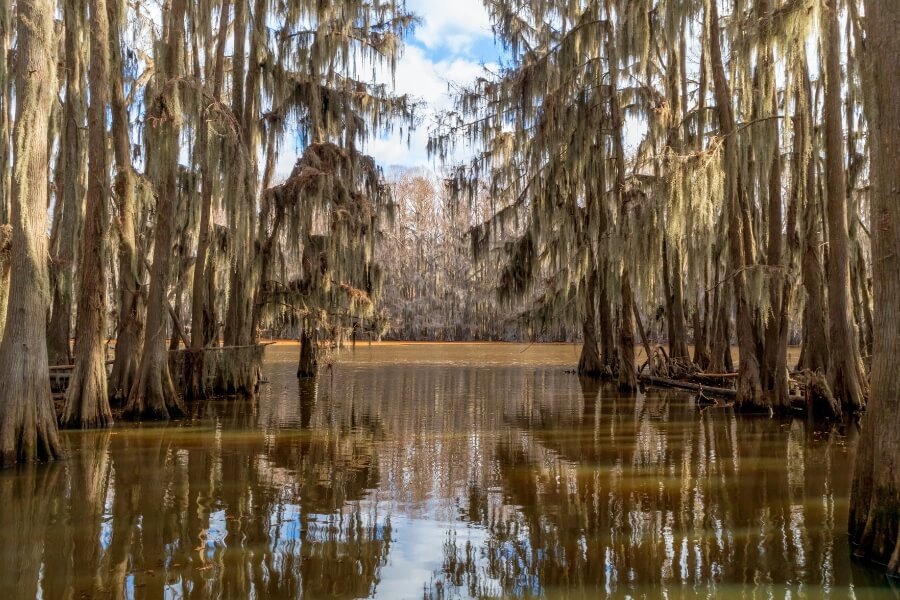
(418, 471)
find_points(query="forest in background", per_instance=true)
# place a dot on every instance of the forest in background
(723, 170)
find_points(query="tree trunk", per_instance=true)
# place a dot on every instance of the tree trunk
(865, 292)
(589, 364)
(875, 495)
(607, 333)
(774, 380)
(27, 419)
(200, 300)
(749, 388)
(5, 256)
(846, 376)
(5, 95)
(814, 350)
(677, 324)
(627, 372)
(308, 365)
(132, 296)
(70, 186)
(153, 395)
(239, 196)
(87, 400)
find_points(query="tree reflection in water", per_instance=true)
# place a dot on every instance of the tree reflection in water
(396, 478)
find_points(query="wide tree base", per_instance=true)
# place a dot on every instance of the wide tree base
(28, 427)
(153, 397)
(87, 401)
(308, 365)
(589, 364)
(879, 539)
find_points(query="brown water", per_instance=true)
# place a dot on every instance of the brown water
(434, 470)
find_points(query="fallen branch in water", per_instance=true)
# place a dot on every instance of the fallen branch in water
(706, 390)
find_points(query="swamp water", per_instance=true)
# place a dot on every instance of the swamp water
(438, 471)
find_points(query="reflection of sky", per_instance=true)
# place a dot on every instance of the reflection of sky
(413, 478)
(417, 554)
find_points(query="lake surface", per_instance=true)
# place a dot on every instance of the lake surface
(439, 471)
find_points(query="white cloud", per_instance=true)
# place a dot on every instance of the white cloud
(453, 24)
(441, 54)
(427, 80)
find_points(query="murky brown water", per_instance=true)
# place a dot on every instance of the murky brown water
(434, 470)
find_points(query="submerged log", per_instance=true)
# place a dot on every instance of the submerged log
(713, 392)
(706, 390)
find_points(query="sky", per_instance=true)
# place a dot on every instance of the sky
(451, 43)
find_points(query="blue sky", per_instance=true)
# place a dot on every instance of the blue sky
(451, 43)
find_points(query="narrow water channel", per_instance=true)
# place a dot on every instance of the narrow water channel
(439, 471)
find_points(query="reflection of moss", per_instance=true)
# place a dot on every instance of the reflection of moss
(346, 560)
(627, 494)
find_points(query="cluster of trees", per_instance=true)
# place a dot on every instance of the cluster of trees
(151, 132)
(432, 289)
(734, 161)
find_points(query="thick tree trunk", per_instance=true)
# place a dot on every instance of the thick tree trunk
(875, 496)
(70, 186)
(132, 295)
(200, 299)
(27, 419)
(773, 378)
(153, 395)
(865, 300)
(749, 387)
(627, 371)
(814, 351)
(240, 196)
(87, 400)
(677, 324)
(846, 376)
(814, 354)
(589, 364)
(607, 329)
(308, 366)
(5, 257)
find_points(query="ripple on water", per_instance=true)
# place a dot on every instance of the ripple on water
(443, 470)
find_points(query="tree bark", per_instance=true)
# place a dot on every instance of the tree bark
(589, 363)
(875, 496)
(627, 372)
(674, 289)
(239, 194)
(132, 295)
(5, 257)
(772, 376)
(153, 395)
(70, 186)
(27, 420)
(749, 388)
(308, 366)
(87, 400)
(846, 375)
(5, 95)
(200, 300)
